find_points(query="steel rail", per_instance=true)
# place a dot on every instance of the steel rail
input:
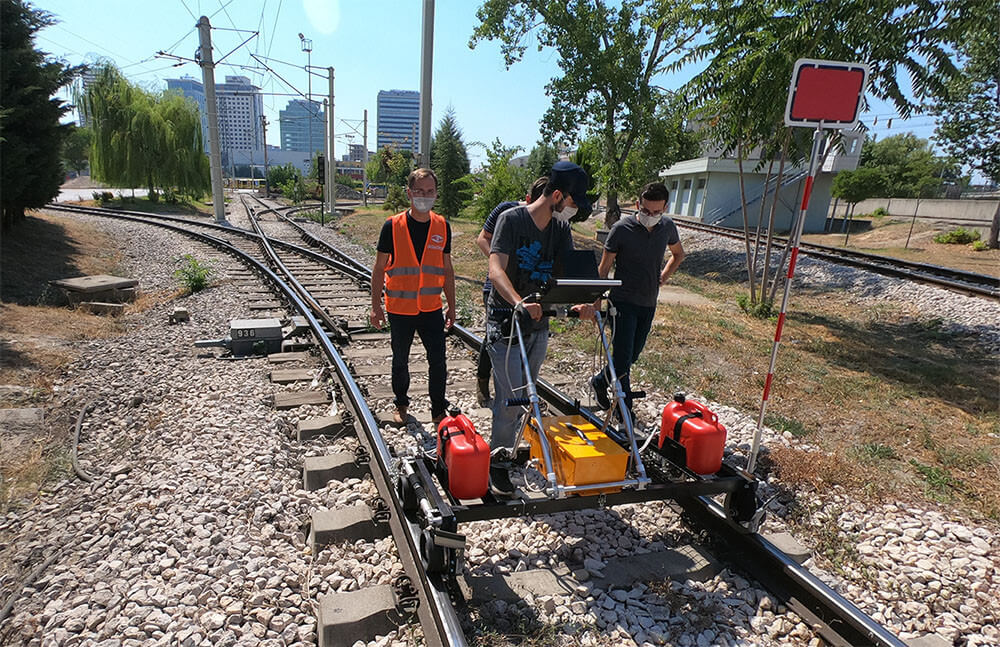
(437, 613)
(969, 283)
(836, 619)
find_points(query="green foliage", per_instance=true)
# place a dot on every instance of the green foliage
(759, 309)
(782, 424)
(294, 189)
(450, 162)
(390, 166)
(192, 274)
(939, 481)
(540, 159)
(395, 198)
(879, 213)
(960, 236)
(908, 165)
(607, 54)
(968, 109)
(76, 148)
(346, 180)
(30, 133)
(859, 184)
(979, 245)
(501, 181)
(143, 138)
(153, 196)
(278, 176)
(872, 452)
(102, 197)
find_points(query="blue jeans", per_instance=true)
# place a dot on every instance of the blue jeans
(631, 325)
(430, 327)
(509, 379)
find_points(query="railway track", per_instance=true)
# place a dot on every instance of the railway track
(969, 283)
(299, 274)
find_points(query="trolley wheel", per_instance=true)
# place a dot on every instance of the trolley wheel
(741, 506)
(435, 557)
(406, 494)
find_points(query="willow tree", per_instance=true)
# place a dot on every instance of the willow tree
(142, 138)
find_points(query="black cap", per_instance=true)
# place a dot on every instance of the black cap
(570, 178)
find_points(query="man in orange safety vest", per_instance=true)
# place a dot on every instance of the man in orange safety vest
(413, 266)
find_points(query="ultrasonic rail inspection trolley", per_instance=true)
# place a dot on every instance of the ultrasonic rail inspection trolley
(585, 462)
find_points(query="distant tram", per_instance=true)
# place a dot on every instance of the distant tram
(254, 184)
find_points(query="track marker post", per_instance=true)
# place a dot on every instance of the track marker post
(822, 95)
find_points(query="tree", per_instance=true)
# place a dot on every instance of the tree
(450, 162)
(668, 142)
(76, 148)
(908, 163)
(31, 137)
(278, 176)
(501, 181)
(607, 56)
(541, 158)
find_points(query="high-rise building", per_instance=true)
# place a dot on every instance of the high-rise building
(356, 153)
(399, 119)
(241, 133)
(240, 106)
(295, 122)
(193, 89)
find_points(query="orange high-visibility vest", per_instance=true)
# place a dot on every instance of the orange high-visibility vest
(412, 287)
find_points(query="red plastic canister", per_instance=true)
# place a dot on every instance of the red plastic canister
(465, 456)
(695, 427)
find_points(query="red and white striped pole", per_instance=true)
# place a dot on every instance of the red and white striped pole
(794, 242)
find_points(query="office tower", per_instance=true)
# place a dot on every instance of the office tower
(399, 119)
(294, 123)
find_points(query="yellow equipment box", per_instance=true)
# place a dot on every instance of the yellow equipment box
(582, 453)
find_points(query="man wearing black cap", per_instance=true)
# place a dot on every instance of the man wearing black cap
(528, 243)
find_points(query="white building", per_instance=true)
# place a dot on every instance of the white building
(707, 189)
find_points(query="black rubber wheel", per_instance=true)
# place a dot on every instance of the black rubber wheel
(406, 494)
(741, 505)
(435, 557)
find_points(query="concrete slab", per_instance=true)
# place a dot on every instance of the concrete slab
(290, 400)
(415, 416)
(379, 351)
(265, 305)
(789, 546)
(673, 295)
(317, 471)
(370, 336)
(516, 586)
(284, 358)
(320, 426)
(385, 390)
(103, 308)
(373, 370)
(689, 562)
(95, 283)
(349, 523)
(23, 417)
(929, 640)
(290, 375)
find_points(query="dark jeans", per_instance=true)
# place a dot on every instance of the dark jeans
(430, 327)
(631, 326)
(484, 367)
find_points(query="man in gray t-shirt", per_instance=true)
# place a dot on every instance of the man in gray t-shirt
(636, 246)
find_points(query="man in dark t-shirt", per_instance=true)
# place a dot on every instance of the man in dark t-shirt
(636, 246)
(526, 246)
(484, 367)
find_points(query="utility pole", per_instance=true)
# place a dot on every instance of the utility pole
(427, 58)
(364, 169)
(307, 47)
(331, 166)
(212, 108)
(263, 125)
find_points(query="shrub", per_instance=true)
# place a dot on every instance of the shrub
(979, 246)
(193, 275)
(761, 310)
(879, 213)
(170, 196)
(960, 236)
(395, 198)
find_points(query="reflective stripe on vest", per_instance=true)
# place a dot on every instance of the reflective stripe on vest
(412, 287)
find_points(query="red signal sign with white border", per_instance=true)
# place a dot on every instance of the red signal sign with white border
(827, 93)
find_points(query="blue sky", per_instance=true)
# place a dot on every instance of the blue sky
(372, 44)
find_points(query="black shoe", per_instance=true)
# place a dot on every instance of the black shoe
(500, 483)
(483, 391)
(600, 392)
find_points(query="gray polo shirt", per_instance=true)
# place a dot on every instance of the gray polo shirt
(639, 258)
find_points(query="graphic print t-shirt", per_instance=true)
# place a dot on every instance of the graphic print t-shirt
(532, 256)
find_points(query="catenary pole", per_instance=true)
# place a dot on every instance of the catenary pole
(426, 67)
(212, 109)
(331, 159)
(364, 168)
(796, 235)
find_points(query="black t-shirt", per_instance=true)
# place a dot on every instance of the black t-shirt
(418, 236)
(533, 256)
(639, 258)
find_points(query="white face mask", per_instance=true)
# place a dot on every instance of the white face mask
(423, 204)
(648, 221)
(566, 213)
